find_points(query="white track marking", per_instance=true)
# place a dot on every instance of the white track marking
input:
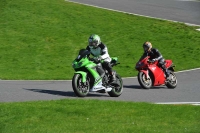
(188, 70)
(173, 103)
(188, 0)
(189, 24)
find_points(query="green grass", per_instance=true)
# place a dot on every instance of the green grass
(89, 116)
(40, 39)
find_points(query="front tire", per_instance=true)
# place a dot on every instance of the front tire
(80, 88)
(117, 88)
(144, 82)
(172, 82)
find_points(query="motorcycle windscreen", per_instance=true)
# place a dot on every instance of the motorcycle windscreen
(83, 53)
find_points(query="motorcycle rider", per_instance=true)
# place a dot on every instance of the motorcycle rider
(100, 52)
(154, 56)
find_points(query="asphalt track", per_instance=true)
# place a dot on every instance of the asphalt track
(186, 11)
(187, 91)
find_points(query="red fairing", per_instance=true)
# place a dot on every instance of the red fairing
(157, 76)
(168, 63)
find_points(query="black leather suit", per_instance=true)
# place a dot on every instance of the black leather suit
(155, 54)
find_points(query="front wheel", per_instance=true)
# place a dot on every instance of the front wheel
(80, 88)
(172, 82)
(117, 87)
(144, 82)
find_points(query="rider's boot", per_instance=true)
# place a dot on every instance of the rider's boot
(167, 74)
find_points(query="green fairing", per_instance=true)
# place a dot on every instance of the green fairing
(84, 62)
(81, 63)
(92, 71)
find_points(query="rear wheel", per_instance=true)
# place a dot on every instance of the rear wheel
(80, 88)
(117, 87)
(144, 82)
(172, 82)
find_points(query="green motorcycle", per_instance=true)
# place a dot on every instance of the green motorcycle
(90, 76)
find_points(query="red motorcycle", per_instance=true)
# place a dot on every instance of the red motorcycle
(150, 74)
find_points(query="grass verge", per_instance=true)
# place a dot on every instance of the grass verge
(40, 39)
(88, 116)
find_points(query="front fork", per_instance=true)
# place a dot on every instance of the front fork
(84, 77)
(83, 74)
(146, 72)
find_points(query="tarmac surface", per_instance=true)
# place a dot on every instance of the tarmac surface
(185, 11)
(187, 90)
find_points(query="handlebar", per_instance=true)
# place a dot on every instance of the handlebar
(94, 60)
(150, 61)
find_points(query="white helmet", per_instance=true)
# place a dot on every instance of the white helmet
(93, 41)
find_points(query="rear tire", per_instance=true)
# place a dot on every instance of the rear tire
(172, 83)
(117, 89)
(143, 81)
(80, 88)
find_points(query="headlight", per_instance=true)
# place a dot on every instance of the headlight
(140, 64)
(76, 65)
(79, 64)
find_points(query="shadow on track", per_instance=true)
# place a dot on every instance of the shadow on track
(139, 87)
(132, 86)
(63, 93)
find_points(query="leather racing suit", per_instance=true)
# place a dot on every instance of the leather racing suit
(101, 51)
(156, 55)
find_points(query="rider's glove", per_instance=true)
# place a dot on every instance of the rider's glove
(153, 60)
(100, 58)
(96, 59)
